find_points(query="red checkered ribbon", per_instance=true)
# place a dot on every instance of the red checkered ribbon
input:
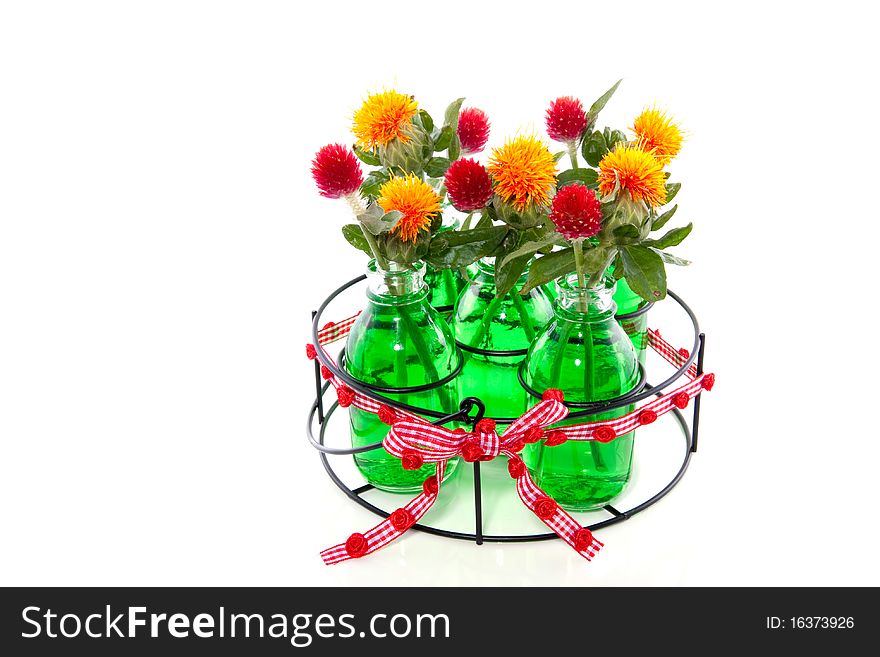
(416, 442)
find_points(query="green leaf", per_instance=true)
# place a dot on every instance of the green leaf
(660, 221)
(530, 247)
(459, 248)
(613, 137)
(671, 259)
(585, 176)
(594, 148)
(672, 238)
(436, 167)
(671, 191)
(600, 103)
(377, 221)
(355, 236)
(372, 184)
(367, 157)
(617, 267)
(450, 118)
(508, 273)
(595, 259)
(558, 156)
(426, 121)
(626, 232)
(549, 267)
(454, 150)
(441, 143)
(644, 272)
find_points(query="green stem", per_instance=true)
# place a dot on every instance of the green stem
(487, 319)
(449, 285)
(520, 309)
(589, 392)
(374, 247)
(579, 268)
(596, 277)
(421, 348)
(572, 153)
(556, 365)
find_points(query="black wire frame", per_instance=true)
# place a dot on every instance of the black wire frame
(317, 409)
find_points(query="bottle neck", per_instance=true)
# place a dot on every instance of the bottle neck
(486, 267)
(593, 304)
(397, 285)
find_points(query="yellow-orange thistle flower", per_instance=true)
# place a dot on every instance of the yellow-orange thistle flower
(382, 118)
(656, 132)
(523, 171)
(415, 199)
(639, 173)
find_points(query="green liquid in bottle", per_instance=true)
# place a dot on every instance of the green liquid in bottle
(399, 341)
(585, 353)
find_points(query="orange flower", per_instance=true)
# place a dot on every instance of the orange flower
(638, 171)
(415, 199)
(524, 172)
(656, 132)
(382, 118)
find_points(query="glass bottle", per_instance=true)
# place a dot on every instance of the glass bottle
(399, 341)
(585, 353)
(444, 285)
(636, 328)
(506, 324)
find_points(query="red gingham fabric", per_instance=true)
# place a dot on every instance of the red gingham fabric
(410, 434)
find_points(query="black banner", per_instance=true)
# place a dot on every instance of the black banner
(277, 621)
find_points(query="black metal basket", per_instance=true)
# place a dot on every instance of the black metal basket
(319, 418)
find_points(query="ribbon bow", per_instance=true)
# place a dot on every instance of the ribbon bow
(416, 442)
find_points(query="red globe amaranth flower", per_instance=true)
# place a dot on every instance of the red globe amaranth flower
(386, 415)
(468, 185)
(554, 394)
(430, 487)
(545, 507)
(345, 396)
(681, 399)
(533, 435)
(516, 467)
(356, 545)
(485, 425)
(412, 460)
(583, 539)
(555, 438)
(471, 451)
(576, 212)
(326, 374)
(311, 353)
(604, 434)
(336, 171)
(566, 119)
(708, 381)
(647, 416)
(401, 519)
(473, 130)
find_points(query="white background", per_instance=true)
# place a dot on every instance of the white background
(162, 245)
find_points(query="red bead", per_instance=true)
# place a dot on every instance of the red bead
(471, 451)
(412, 460)
(517, 445)
(604, 434)
(545, 507)
(485, 426)
(583, 539)
(708, 381)
(430, 486)
(516, 467)
(553, 393)
(311, 353)
(345, 396)
(681, 399)
(401, 519)
(533, 435)
(555, 438)
(459, 431)
(356, 545)
(387, 415)
(684, 353)
(326, 373)
(647, 416)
